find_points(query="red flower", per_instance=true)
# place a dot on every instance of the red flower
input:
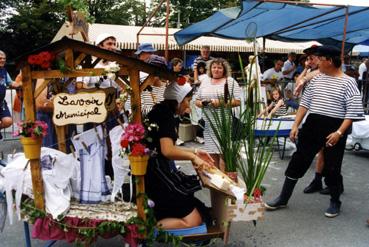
(181, 80)
(32, 59)
(45, 56)
(138, 149)
(257, 193)
(38, 60)
(124, 143)
(45, 65)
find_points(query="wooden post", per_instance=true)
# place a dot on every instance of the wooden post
(29, 105)
(60, 134)
(136, 111)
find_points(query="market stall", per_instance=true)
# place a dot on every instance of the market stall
(81, 221)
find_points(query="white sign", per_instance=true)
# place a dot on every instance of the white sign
(80, 108)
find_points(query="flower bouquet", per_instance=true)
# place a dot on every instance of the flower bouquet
(31, 133)
(44, 59)
(132, 143)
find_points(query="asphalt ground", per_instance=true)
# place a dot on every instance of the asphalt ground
(301, 224)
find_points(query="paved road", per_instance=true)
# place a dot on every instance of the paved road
(302, 224)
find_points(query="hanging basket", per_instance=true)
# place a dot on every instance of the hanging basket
(31, 147)
(138, 164)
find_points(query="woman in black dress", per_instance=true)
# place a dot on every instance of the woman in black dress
(174, 208)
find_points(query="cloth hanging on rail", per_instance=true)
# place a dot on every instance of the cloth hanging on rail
(120, 164)
(91, 149)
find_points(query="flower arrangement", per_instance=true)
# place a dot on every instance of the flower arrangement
(111, 70)
(34, 129)
(44, 59)
(132, 140)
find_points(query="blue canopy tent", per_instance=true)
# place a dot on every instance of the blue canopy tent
(285, 22)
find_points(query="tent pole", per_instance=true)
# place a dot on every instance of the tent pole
(147, 22)
(301, 3)
(344, 34)
(167, 31)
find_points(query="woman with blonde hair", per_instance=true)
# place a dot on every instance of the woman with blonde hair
(209, 96)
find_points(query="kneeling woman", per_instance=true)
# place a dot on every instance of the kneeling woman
(175, 207)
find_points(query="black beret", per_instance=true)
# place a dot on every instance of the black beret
(311, 50)
(327, 51)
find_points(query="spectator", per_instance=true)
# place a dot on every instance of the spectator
(277, 107)
(362, 68)
(210, 91)
(204, 57)
(273, 76)
(5, 81)
(289, 67)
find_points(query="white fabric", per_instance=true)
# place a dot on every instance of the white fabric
(55, 180)
(362, 69)
(360, 129)
(120, 165)
(271, 74)
(177, 92)
(94, 188)
(287, 66)
(90, 81)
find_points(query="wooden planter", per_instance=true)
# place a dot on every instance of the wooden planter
(138, 164)
(31, 147)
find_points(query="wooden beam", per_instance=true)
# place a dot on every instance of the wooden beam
(69, 60)
(58, 74)
(123, 71)
(149, 81)
(29, 105)
(41, 88)
(80, 58)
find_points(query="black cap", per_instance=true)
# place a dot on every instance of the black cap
(327, 51)
(311, 50)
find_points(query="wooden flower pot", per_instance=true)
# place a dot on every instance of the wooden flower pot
(138, 164)
(31, 147)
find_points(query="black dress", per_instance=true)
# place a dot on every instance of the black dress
(169, 203)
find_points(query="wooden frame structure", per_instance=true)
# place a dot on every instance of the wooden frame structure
(80, 54)
(79, 57)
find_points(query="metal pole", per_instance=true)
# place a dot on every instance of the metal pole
(167, 31)
(301, 3)
(147, 21)
(344, 34)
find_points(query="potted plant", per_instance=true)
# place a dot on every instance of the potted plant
(133, 145)
(31, 134)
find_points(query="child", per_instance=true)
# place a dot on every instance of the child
(277, 107)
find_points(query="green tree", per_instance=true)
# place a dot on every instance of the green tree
(29, 24)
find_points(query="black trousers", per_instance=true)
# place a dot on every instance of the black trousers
(312, 137)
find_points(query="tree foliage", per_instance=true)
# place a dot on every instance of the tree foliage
(29, 24)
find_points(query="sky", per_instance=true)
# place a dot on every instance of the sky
(343, 2)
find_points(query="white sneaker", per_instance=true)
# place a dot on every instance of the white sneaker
(199, 140)
(179, 142)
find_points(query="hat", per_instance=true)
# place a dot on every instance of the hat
(103, 36)
(311, 50)
(327, 51)
(145, 47)
(176, 92)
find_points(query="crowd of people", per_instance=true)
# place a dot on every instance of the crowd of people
(313, 84)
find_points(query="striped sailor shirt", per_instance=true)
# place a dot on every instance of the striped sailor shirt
(336, 97)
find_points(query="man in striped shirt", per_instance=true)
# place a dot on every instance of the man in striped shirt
(204, 57)
(333, 101)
